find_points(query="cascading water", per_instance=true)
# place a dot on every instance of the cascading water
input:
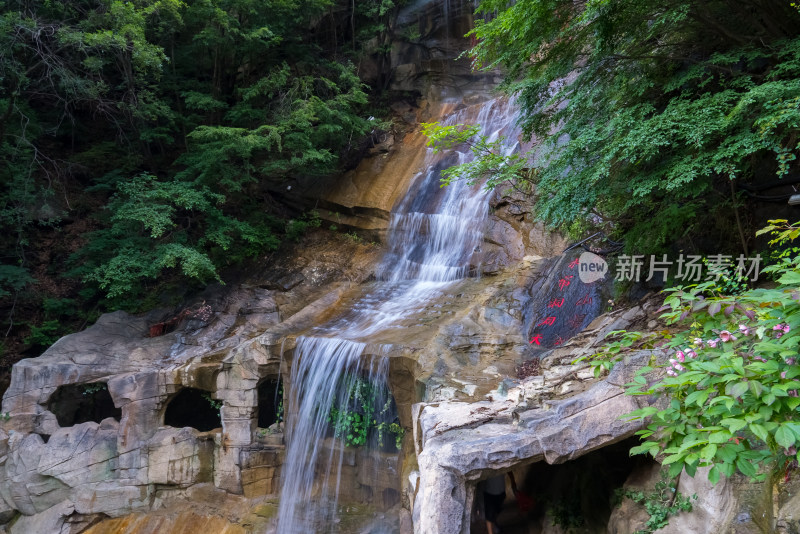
(433, 235)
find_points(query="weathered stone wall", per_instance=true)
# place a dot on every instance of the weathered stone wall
(467, 417)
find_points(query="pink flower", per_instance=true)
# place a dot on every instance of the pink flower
(783, 374)
(698, 342)
(692, 354)
(792, 393)
(726, 336)
(680, 356)
(781, 329)
(791, 360)
(676, 365)
(670, 372)
(744, 329)
(713, 343)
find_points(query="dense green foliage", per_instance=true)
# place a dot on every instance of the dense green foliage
(648, 114)
(168, 124)
(732, 384)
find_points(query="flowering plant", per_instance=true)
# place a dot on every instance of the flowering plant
(732, 381)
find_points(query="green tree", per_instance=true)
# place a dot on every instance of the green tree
(159, 225)
(649, 113)
(258, 104)
(179, 117)
(63, 65)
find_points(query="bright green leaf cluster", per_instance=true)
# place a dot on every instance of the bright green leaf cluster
(733, 382)
(366, 412)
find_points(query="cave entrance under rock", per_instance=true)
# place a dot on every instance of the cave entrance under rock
(194, 408)
(576, 496)
(270, 402)
(73, 404)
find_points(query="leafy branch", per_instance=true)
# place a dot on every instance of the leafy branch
(611, 353)
(491, 165)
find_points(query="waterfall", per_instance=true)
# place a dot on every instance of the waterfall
(322, 374)
(434, 233)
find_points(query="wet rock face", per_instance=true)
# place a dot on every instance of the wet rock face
(511, 232)
(426, 54)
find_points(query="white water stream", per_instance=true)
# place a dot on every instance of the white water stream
(433, 235)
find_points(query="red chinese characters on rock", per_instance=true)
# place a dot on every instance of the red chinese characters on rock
(565, 282)
(558, 305)
(549, 321)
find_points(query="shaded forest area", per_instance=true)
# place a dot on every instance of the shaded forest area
(141, 142)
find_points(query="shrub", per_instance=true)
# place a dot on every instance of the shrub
(732, 382)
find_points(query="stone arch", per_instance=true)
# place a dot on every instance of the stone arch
(576, 494)
(194, 408)
(73, 404)
(270, 401)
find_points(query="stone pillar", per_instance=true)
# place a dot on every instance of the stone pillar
(237, 385)
(443, 503)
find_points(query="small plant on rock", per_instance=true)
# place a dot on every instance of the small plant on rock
(367, 411)
(91, 389)
(662, 503)
(216, 404)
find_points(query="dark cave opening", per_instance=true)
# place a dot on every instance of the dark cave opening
(576, 496)
(73, 404)
(270, 402)
(194, 408)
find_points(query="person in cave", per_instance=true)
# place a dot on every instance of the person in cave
(494, 494)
